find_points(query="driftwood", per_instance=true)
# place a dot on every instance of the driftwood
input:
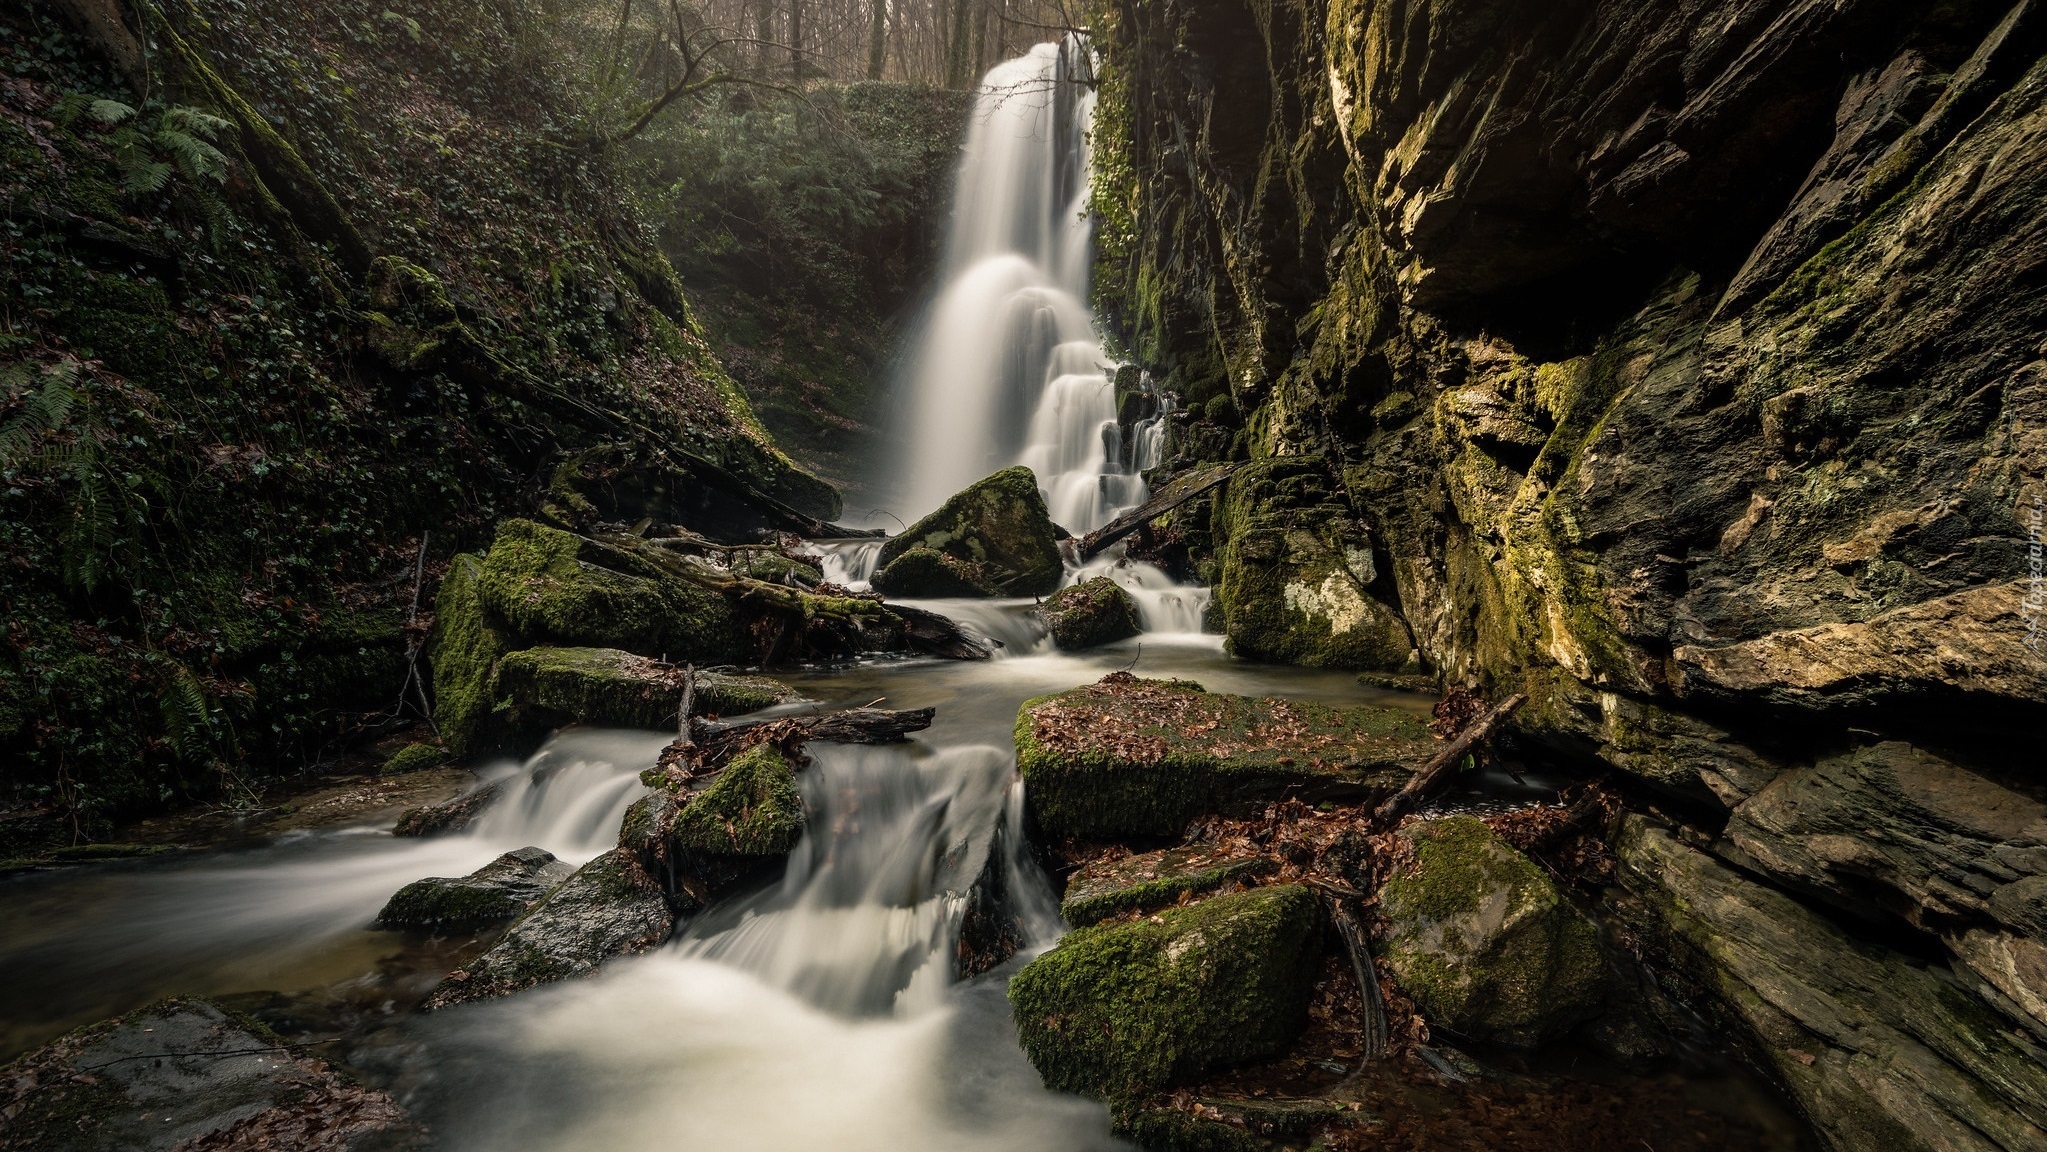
(706, 746)
(936, 635)
(686, 712)
(1176, 492)
(1445, 761)
(1350, 929)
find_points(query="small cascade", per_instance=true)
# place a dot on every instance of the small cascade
(847, 563)
(570, 795)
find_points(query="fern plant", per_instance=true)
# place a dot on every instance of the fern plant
(97, 501)
(177, 141)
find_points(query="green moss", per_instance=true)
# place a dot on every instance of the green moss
(928, 573)
(550, 585)
(463, 655)
(448, 906)
(1123, 1010)
(1485, 942)
(999, 531)
(1152, 880)
(1089, 614)
(1296, 573)
(753, 809)
(414, 758)
(590, 686)
(1142, 757)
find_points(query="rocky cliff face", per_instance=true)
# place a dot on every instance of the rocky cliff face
(1683, 365)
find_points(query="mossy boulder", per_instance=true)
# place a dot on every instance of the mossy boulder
(1133, 757)
(753, 809)
(416, 757)
(927, 573)
(1484, 940)
(609, 908)
(463, 654)
(1296, 574)
(1122, 1010)
(996, 531)
(494, 893)
(1153, 880)
(1090, 614)
(549, 687)
(553, 586)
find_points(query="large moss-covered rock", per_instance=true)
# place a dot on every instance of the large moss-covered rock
(1121, 1010)
(185, 1075)
(1894, 831)
(499, 891)
(553, 586)
(1879, 1049)
(463, 654)
(1089, 614)
(1153, 880)
(997, 533)
(548, 687)
(609, 908)
(927, 574)
(1129, 756)
(753, 809)
(1296, 573)
(1484, 941)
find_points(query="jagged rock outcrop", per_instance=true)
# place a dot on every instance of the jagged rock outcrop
(1879, 1049)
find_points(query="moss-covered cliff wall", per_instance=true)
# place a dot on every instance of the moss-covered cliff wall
(1684, 364)
(308, 281)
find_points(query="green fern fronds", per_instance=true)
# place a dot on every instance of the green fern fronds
(187, 714)
(48, 408)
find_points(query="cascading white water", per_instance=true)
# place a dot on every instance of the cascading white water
(1011, 369)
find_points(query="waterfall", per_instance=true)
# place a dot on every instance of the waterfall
(1010, 369)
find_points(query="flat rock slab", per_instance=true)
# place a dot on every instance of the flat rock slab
(1153, 880)
(499, 891)
(555, 686)
(447, 816)
(606, 910)
(186, 1075)
(1134, 757)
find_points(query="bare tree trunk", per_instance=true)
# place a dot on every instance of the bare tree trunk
(107, 24)
(763, 33)
(796, 39)
(959, 44)
(877, 40)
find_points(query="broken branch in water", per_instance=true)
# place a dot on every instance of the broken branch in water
(1350, 929)
(710, 745)
(1446, 760)
(1175, 493)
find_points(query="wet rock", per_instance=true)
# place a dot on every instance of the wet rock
(450, 816)
(1296, 573)
(1122, 1010)
(1128, 756)
(1894, 830)
(1484, 941)
(1880, 1050)
(751, 810)
(1153, 880)
(1672, 752)
(996, 532)
(608, 909)
(499, 891)
(549, 687)
(187, 1075)
(1090, 614)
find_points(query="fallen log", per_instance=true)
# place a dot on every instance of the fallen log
(1445, 761)
(1174, 493)
(708, 745)
(935, 635)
